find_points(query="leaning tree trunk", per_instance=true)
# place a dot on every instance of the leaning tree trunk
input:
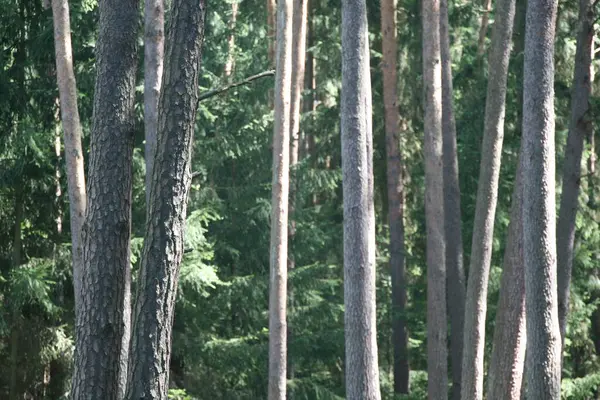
(434, 208)
(487, 196)
(279, 204)
(100, 358)
(395, 192)
(171, 179)
(505, 376)
(580, 128)
(452, 213)
(539, 211)
(67, 89)
(154, 38)
(362, 373)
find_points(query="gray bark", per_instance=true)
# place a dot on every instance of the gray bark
(487, 196)
(279, 205)
(395, 193)
(154, 38)
(505, 375)
(539, 211)
(102, 331)
(169, 189)
(580, 128)
(452, 211)
(67, 89)
(362, 373)
(434, 208)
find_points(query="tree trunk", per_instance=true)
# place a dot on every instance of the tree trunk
(230, 64)
(67, 89)
(271, 29)
(539, 211)
(485, 19)
(487, 196)
(154, 38)
(362, 373)
(580, 128)
(452, 212)
(395, 193)
(102, 331)
(505, 375)
(279, 204)
(434, 208)
(169, 189)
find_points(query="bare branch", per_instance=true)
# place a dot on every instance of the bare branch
(214, 92)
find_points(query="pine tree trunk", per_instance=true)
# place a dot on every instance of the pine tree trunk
(362, 371)
(580, 128)
(395, 193)
(171, 179)
(487, 196)
(539, 215)
(279, 204)
(154, 38)
(505, 376)
(452, 210)
(434, 208)
(67, 89)
(230, 64)
(271, 29)
(485, 19)
(102, 331)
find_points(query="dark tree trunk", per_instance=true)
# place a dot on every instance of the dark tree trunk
(102, 329)
(166, 216)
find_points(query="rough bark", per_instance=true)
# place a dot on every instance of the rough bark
(539, 211)
(434, 208)
(452, 211)
(67, 89)
(395, 193)
(271, 30)
(169, 189)
(505, 375)
(154, 39)
(362, 373)
(102, 331)
(279, 204)
(230, 64)
(487, 196)
(580, 128)
(485, 19)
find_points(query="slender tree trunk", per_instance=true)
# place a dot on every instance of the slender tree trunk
(539, 211)
(230, 64)
(580, 128)
(169, 188)
(362, 371)
(13, 383)
(434, 207)
(487, 196)
(154, 40)
(102, 331)
(395, 193)
(271, 29)
(279, 204)
(485, 19)
(505, 376)
(452, 211)
(67, 89)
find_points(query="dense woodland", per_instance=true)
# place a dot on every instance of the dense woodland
(301, 199)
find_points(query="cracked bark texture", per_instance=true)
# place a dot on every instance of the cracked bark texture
(505, 376)
(67, 89)
(279, 205)
(169, 189)
(102, 332)
(485, 209)
(456, 282)
(362, 371)
(437, 352)
(539, 211)
(580, 128)
(395, 193)
(154, 40)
